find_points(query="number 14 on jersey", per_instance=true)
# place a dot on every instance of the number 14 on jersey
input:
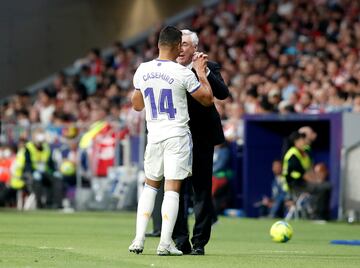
(163, 105)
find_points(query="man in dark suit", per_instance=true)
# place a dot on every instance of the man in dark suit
(206, 130)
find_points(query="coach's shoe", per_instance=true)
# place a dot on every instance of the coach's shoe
(198, 251)
(137, 246)
(168, 250)
(185, 247)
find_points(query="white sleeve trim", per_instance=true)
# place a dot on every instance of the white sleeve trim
(195, 88)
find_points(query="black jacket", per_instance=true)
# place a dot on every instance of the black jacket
(205, 124)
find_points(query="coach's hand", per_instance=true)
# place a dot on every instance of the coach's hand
(200, 63)
(199, 55)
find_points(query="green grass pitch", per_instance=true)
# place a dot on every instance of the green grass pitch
(53, 239)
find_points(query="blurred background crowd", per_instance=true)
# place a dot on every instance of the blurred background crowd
(277, 57)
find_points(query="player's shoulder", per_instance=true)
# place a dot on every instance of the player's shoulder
(144, 67)
(181, 68)
(177, 69)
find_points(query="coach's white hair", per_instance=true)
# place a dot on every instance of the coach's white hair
(193, 35)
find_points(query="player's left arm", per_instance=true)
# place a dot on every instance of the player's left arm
(137, 100)
(220, 90)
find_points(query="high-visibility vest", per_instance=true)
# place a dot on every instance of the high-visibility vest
(283, 183)
(39, 160)
(304, 160)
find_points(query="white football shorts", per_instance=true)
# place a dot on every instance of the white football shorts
(171, 158)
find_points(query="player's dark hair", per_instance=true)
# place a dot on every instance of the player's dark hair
(170, 36)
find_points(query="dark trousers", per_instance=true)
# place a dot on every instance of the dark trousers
(48, 191)
(320, 200)
(7, 195)
(201, 181)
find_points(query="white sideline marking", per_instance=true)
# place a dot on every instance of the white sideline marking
(45, 247)
(285, 251)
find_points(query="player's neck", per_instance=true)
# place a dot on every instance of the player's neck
(167, 55)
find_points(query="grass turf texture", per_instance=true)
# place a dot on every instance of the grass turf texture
(53, 239)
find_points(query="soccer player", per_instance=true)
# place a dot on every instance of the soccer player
(160, 87)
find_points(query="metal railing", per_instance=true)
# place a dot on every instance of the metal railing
(127, 152)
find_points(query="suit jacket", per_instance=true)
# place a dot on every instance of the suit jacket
(205, 124)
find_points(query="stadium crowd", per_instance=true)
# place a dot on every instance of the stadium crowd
(277, 57)
(280, 56)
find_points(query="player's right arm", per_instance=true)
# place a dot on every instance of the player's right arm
(203, 94)
(137, 100)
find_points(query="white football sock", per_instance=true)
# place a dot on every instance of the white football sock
(169, 212)
(144, 210)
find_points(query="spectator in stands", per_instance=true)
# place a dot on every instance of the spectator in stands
(97, 125)
(285, 107)
(95, 61)
(114, 113)
(45, 106)
(222, 174)
(319, 189)
(304, 104)
(274, 98)
(34, 115)
(79, 87)
(7, 161)
(65, 157)
(84, 113)
(117, 57)
(233, 125)
(59, 81)
(113, 94)
(274, 206)
(88, 80)
(252, 102)
(338, 103)
(123, 78)
(22, 118)
(23, 100)
(356, 107)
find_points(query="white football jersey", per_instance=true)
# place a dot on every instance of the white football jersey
(163, 85)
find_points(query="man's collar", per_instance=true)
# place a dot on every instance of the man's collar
(190, 66)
